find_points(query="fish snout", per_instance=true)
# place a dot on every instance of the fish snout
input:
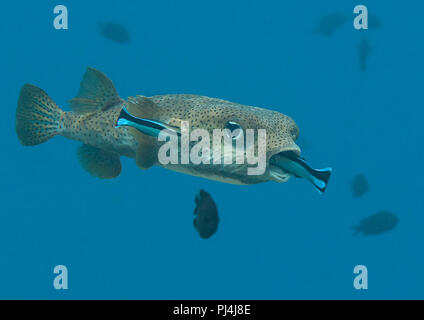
(294, 148)
(291, 147)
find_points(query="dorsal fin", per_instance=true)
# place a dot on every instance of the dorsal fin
(96, 92)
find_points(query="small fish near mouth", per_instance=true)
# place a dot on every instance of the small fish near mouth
(288, 163)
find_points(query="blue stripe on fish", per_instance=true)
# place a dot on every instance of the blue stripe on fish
(146, 126)
(298, 167)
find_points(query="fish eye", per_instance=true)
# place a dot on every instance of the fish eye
(233, 130)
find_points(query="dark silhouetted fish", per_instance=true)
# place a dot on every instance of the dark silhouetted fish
(364, 49)
(206, 220)
(115, 32)
(359, 185)
(330, 23)
(377, 223)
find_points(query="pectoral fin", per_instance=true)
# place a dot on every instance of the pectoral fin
(147, 151)
(99, 163)
(142, 107)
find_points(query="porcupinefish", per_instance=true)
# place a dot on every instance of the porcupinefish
(110, 127)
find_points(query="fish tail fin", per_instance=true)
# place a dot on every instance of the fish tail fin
(321, 177)
(37, 116)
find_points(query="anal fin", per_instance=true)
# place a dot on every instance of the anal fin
(100, 163)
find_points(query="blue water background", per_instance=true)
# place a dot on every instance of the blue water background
(133, 237)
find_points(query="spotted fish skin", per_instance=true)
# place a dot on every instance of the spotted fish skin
(97, 107)
(97, 129)
(212, 113)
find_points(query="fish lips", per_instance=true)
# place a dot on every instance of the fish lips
(276, 173)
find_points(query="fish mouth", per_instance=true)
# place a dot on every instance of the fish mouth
(276, 172)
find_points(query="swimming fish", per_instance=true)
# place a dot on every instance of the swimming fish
(114, 32)
(330, 23)
(377, 223)
(359, 185)
(206, 220)
(364, 50)
(110, 127)
(296, 165)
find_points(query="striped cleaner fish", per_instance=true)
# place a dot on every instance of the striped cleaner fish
(110, 127)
